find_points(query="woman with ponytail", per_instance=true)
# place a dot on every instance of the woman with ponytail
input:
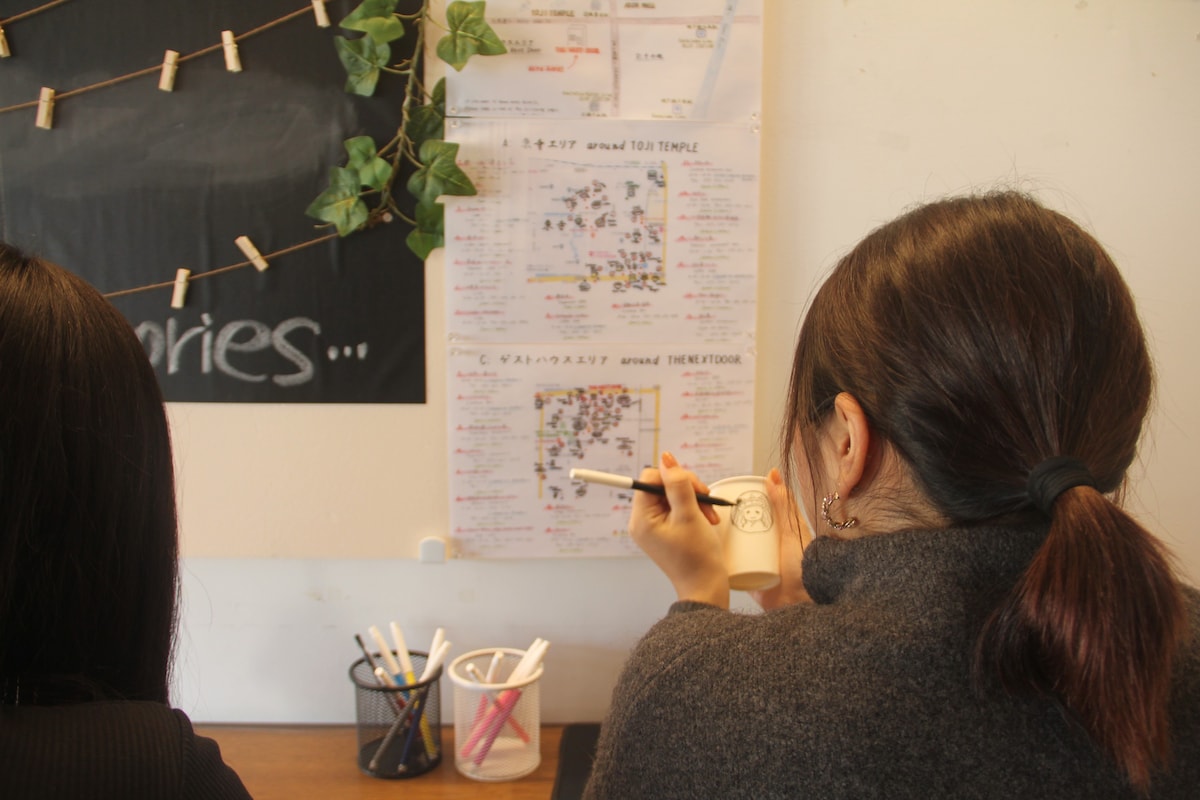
(976, 615)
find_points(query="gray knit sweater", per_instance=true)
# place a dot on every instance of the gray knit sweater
(865, 694)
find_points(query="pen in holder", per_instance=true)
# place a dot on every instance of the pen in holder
(398, 724)
(497, 719)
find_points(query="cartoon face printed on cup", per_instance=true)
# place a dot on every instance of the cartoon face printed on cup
(752, 513)
(747, 528)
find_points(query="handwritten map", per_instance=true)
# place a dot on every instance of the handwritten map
(607, 231)
(603, 231)
(592, 424)
(523, 416)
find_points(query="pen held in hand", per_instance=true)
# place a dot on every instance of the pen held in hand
(623, 482)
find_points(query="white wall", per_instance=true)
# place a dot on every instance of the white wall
(870, 106)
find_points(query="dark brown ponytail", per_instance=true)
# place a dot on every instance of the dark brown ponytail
(1095, 620)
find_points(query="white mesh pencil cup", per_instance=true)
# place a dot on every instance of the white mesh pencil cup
(497, 724)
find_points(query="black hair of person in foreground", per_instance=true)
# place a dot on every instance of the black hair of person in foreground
(88, 555)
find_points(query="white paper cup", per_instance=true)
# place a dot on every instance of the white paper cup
(748, 531)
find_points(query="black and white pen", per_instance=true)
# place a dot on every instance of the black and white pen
(623, 482)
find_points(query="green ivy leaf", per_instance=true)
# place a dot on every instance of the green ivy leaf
(363, 58)
(438, 173)
(377, 19)
(438, 95)
(375, 174)
(361, 150)
(430, 231)
(469, 35)
(372, 170)
(422, 244)
(428, 121)
(425, 122)
(340, 204)
(431, 217)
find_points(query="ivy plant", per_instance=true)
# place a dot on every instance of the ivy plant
(360, 194)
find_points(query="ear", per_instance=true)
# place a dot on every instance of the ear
(851, 438)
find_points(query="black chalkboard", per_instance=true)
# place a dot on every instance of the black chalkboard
(133, 182)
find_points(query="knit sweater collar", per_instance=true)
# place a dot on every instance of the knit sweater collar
(838, 569)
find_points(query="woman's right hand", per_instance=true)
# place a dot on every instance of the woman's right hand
(794, 536)
(680, 535)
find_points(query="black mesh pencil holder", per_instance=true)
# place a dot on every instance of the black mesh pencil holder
(399, 729)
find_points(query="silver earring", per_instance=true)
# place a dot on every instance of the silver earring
(826, 502)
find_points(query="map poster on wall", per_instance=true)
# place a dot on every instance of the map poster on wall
(698, 60)
(131, 183)
(522, 416)
(601, 287)
(605, 231)
(600, 309)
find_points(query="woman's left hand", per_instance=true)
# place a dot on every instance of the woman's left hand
(794, 536)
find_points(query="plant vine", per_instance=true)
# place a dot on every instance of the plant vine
(370, 172)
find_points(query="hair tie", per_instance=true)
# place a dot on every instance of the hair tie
(1054, 476)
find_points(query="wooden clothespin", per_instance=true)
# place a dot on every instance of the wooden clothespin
(45, 109)
(246, 246)
(5, 52)
(179, 295)
(320, 13)
(232, 62)
(166, 79)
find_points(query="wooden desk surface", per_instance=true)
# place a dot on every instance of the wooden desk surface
(278, 762)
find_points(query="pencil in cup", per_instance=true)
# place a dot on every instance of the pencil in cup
(496, 724)
(383, 728)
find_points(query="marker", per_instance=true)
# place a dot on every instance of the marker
(484, 705)
(622, 482)
(494, 665)
(435, 661)
(371, 662)
(391, 734)
(406, 665)
(385, 652)
(385, 677)
(432, 663)
(439, 636)
(394, 699)
(418, 721)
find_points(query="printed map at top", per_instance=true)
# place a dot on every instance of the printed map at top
(694, 60)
